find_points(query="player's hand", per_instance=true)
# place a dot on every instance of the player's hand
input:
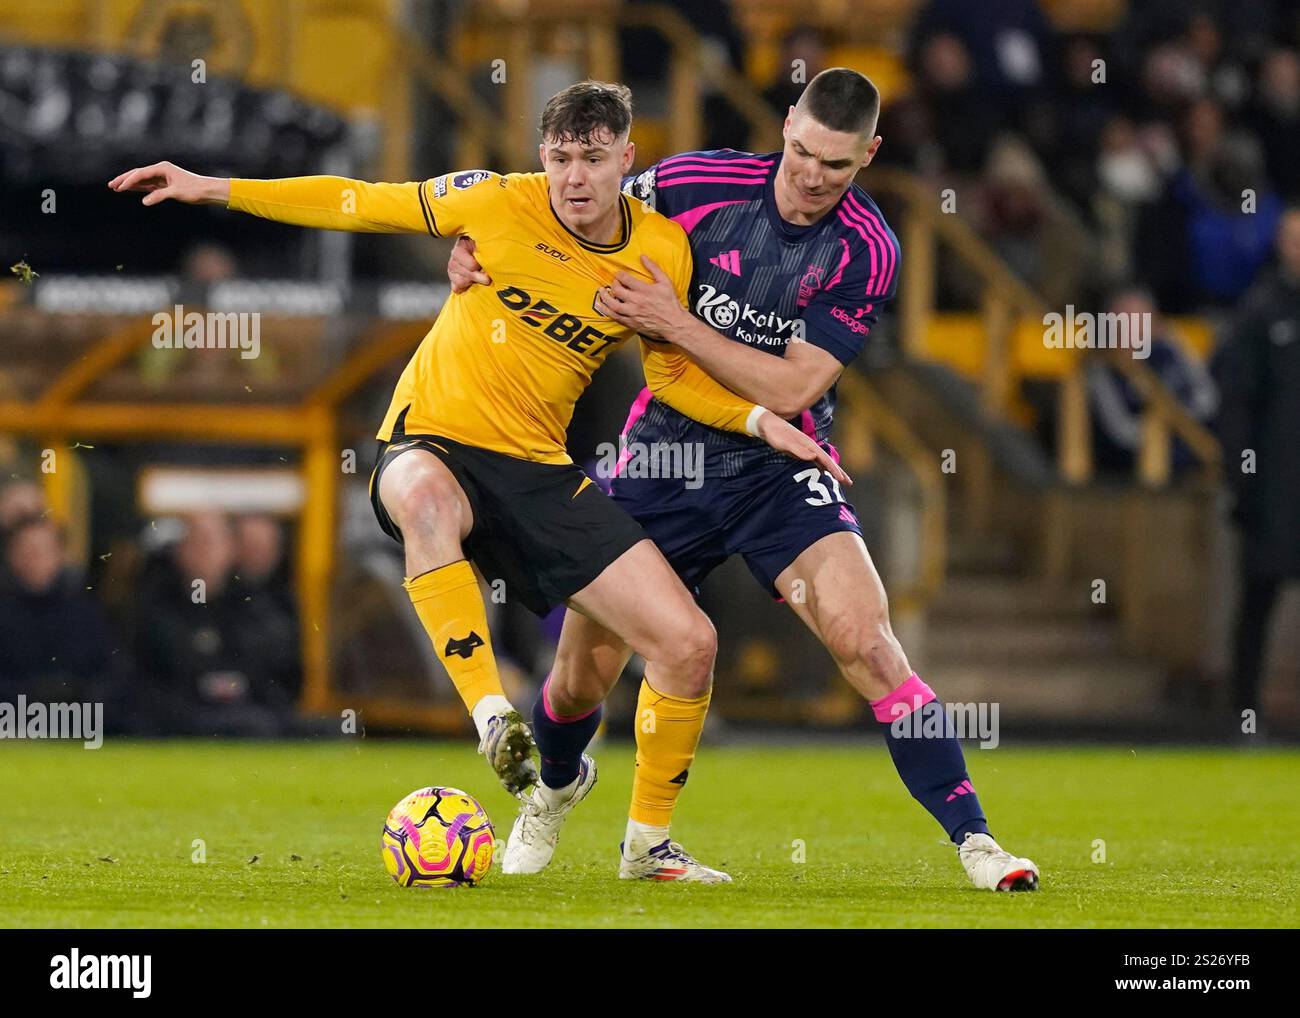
(161, 181)
(652, 309)
(463, 268)
(785, 437)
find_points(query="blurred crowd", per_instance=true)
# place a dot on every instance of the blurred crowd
(204, 641)
(1091, 161)
(1161, 153)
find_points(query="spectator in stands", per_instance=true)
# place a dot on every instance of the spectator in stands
(1169, 81)
(1211, 28)
(963, 119)
(1225, 77)
(803, 49)
(1117, 406)
(1231, 218)
(908, 127)
(259, 559)
(1128, 183)
(207, 262)
(18, 500)
(1038, 235)
(212, 659)
(1221, 210)
(1071, 122)
(1275, 118)
(54, 640)
(1259, 367)
(204, 371)
(266, 589)
(1010, 42)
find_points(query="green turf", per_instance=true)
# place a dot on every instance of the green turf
(105, 838)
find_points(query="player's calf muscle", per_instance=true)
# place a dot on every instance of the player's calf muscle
(588, 662)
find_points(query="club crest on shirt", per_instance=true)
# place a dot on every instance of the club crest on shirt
(810, 283)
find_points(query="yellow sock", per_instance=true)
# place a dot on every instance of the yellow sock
(667, 732)
(450, 607)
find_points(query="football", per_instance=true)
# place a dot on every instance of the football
(438, 837)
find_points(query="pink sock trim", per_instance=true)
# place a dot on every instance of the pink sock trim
(561, 719)
(912, 694)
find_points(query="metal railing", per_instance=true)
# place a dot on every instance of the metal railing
(1006, 299)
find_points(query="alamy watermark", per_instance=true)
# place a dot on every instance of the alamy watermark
(82, 721)
(77, 971)
(678, 460)
(1111, 330)
(179, 329)
(962, 720)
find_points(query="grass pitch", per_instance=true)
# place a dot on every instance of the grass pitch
(1124, 837)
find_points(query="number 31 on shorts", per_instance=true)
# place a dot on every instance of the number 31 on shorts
(820, 495)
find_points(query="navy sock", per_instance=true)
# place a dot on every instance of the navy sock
(560, 741)
(928, 757)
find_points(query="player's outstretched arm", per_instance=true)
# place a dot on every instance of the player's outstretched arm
(324, 202)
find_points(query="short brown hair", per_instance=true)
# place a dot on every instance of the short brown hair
(842, 99)
(586, 109)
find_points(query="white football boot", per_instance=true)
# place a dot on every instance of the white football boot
(508, 745)
(664, 862)
(992, 868)
(537, 827)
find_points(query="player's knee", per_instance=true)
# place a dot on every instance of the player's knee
(865, 642)
(572, 690)
(690, 654)
(425, 504)
(882, 654)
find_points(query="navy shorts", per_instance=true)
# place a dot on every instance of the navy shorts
(768, 516)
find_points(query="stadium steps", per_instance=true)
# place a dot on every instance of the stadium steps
(978, 640)
(967, 594)
(997, 631)
(1044, 653)
(1077, 693)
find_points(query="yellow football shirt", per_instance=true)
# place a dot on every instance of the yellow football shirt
(503, 365)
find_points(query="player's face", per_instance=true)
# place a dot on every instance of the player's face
(817, 167)
(584, 178)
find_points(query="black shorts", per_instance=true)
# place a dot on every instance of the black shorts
(545, 529)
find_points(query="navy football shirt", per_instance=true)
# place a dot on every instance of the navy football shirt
(765, 282)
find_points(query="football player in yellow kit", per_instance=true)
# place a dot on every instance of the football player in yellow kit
(473, 465)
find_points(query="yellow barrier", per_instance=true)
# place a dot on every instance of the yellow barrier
(56, 417)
